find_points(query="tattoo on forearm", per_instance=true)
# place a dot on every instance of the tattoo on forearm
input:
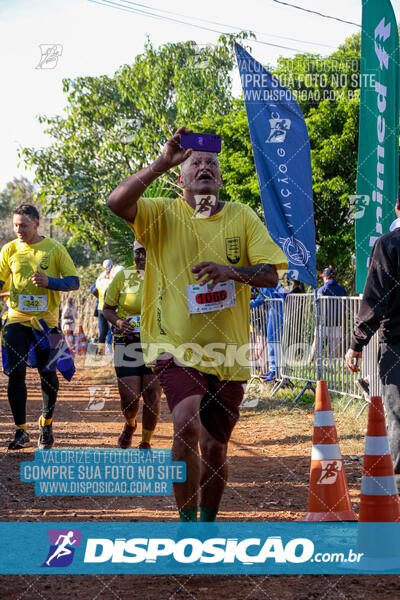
(247, 274)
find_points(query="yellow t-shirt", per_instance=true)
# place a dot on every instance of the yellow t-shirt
(18, 262)
(125, 292)
(175, 240)
(102, 284)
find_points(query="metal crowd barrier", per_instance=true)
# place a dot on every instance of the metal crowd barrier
(266, 326)
(294, 339)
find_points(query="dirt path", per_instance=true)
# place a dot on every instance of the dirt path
(268, 461)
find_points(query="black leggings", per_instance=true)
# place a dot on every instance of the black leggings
(104, 328)
(18, 339)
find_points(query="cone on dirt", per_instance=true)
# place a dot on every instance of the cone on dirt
(328, 496)
(379, 497)
(81, 342)
(69, 338)
(379, 545)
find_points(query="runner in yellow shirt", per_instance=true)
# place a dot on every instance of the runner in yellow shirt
(99, 289)
(202, 257)
(122, 308)
(36, 270)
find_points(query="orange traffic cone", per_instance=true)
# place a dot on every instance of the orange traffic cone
(328, 497)
(379, 497)
(378, 545)
(69, 338)
(81, 343)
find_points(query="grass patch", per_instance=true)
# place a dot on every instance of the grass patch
(297, 418)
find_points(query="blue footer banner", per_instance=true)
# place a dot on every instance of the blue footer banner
(199, 548)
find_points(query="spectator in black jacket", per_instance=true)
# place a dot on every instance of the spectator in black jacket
(380, 309)
(297, 287)
(331, 286)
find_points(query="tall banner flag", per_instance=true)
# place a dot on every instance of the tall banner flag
(281, 150)
(378, 146)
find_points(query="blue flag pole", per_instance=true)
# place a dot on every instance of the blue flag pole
(281, 149)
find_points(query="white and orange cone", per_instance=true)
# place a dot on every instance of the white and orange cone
(69, 338)
(328, 497)
(81, 342)
(379, 501)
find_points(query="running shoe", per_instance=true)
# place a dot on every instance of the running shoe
(125, 438)
(46, 437)
(21, 440)
(144, 446)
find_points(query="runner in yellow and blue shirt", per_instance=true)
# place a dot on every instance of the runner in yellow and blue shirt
(35, 270)
(99, 289)
(203, 255)
(122, 308)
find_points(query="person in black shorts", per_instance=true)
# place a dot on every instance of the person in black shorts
(34, 270)
(203, 254)
(122, 309)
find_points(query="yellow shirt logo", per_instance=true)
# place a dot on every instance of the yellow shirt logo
(232, 246)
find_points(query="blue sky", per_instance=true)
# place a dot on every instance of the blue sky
(98, 39)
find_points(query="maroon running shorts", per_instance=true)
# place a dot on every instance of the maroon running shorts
(219, 408)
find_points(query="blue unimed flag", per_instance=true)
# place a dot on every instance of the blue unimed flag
(281, 150)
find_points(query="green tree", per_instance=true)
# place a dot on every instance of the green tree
(15, 192)
(333, 130)
(114, 125)
(19, 190)
(327, 90)
(313, 78)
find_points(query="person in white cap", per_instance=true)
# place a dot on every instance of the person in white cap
(122, 308)
(108, 266)
(110, 271)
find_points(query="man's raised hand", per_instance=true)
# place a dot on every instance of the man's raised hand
(173, 154)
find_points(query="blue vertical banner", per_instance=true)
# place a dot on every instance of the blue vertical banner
(281, 150)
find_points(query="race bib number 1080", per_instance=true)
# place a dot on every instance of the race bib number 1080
(201, 300)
